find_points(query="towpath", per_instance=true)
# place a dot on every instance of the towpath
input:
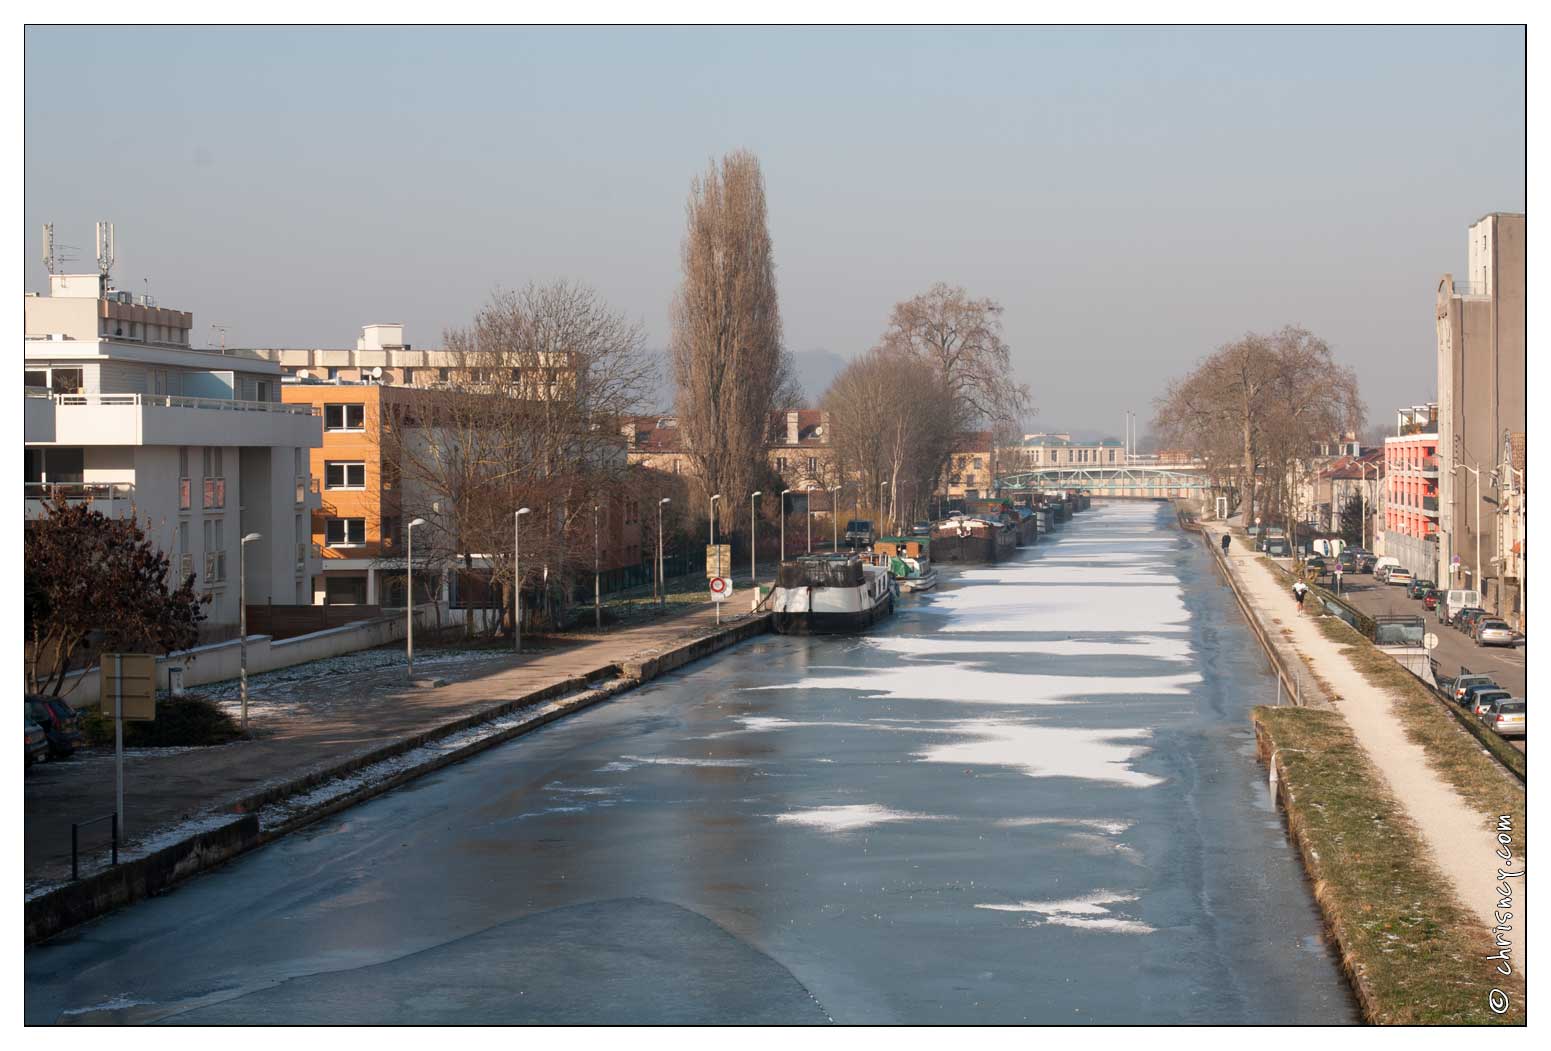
(1460, 837)
(302, 723)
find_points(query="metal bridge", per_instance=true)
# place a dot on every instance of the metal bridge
(1139, 481)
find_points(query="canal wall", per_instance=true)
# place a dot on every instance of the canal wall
(279, 809)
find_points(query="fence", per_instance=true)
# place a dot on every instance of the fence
(286, 622)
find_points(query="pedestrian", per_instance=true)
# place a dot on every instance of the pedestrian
(1299, 590)
(1338, 579)
(1225, 543)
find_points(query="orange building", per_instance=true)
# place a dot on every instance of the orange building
(359, 526)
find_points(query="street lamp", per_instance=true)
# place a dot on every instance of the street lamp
(661, 591)
(718, 551)
(409, 595)
(517, 578)
(597, 587)
(783, 521)
(753, 538)
(834, 518)
(1475, 581)
(1364, 467)
(882, 505)
(808, 492)
(242, 614)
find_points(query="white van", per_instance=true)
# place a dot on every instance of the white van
(1382, 567)
(1456, 600)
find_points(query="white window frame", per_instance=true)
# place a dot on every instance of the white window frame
(344, 408)
(346, 465)
(345, 540)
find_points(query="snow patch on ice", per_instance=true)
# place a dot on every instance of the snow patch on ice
(1158, 647)
(849, 818)
(117, 1003)
(1113, 828)
(1091, 912)
(957, 682)
(1048, 751)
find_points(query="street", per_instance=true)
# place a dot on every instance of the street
(1029, 796)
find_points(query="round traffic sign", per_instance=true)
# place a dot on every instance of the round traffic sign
(720, 587)
(1430, 641)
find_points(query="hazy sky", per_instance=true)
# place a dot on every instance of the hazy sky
(1133, 198)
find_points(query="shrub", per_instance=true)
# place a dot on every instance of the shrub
(180, 722)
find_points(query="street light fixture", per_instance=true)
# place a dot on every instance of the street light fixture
(783, 521)
(834, 518)
(409, 595)
(517, 577)
(662, 595)
(242, 614)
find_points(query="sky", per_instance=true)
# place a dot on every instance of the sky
(1133, 198)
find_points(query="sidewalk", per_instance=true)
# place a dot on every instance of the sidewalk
(1460, 837)
(298, 728)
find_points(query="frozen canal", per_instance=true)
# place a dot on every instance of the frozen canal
(1031, 796)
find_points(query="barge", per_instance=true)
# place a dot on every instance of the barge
(909, 561)
(830, 595)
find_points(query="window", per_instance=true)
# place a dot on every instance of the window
(813, 465)
(349, 474)
(344, 532)
(36, 377)
(333, 371)
(344, 417)
(443, 375)
(215, 551)
(67, 381)
(344, 591)
(261, 389)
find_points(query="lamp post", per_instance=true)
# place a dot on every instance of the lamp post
(661, 591)
(753, 538)
(883, 516)
(597, 586)
(718, 551)
(409, 596)
(834, 519)
(517, 578)
(1475, 581)
(783, 522)
(808, 492)
(1364, 467)
(242, 615)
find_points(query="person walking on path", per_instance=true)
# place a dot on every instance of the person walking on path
(1300, 589)
(1226, 540)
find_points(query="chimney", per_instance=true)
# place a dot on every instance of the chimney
(792, 428)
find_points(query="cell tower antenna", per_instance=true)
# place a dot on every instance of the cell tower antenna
(49, 262)
(104, 248)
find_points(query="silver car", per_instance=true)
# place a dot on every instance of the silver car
(1494, 633)
(1507, 718)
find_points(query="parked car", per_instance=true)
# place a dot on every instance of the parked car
(1482, 700)
(921, 529)
(1430, 599)
(1508, 719)
(61, 724)
(859, 533)
(37, 743)
(1398, 576)
(1315, 564)
(1347, 561)
(1455, 600)
(1464, 681)
(1471, 692)
(1465, 619)
(1366, 562)
(1382, 566)
(1419, 588)
(1491, 632)
(1493, 705)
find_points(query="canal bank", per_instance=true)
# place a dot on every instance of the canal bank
(300, 790)
(1398, 815)
(1031, 795)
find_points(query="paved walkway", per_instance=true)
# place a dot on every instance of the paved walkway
(1459, 836)
(301, 727)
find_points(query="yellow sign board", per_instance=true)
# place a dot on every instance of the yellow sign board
(715, 568)
(133, 676)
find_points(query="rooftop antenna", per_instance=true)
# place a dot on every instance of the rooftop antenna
(104, 247)
(222, 330)
(49, 262)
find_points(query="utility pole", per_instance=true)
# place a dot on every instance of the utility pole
(754, 540)
(662, 592)
(597, 586)
(517, 578)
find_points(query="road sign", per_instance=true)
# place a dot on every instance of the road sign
(718, 559)
(137, 672)
(1430, 641)
(721, 589)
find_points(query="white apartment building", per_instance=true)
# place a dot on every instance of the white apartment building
(196, 444)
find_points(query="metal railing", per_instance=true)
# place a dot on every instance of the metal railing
(182, 401)
(114, 494)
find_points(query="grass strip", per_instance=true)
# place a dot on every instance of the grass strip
(1468, 761)
(1414, 955)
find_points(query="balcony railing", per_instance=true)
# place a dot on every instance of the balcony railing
(180, 401)
(119, 497)
(1429, 503)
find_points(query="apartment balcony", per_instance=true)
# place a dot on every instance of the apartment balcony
(114, 499)
(309, 496)
(1429, 468)
(1430, 506)
(168, 419)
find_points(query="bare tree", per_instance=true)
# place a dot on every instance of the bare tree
(729, 361)
(544, 376)
(961, 338)
(1257, 408)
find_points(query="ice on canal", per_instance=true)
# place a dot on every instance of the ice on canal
(1030, 796)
